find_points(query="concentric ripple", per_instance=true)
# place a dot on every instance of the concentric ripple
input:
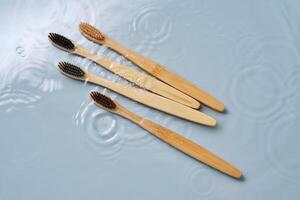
(257, 91)
(276, 48)
(152, 23)
(150, 26)
(55, 12)
(25, 83)
(53, 16)
(200, 182)
(100, 130)
(37, 74)
(293, 87)
(14, 96)
(13, 99)
(214, 18)
(282, 148)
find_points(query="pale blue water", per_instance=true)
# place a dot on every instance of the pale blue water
(55, 144)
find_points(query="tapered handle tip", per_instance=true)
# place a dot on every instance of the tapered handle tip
(211, 122)
(237, 174)
(233, 172)
(219, 107)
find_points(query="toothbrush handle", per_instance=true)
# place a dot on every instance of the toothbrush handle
(190, 148)
(141, 79)
(166, 75)
(154, 101)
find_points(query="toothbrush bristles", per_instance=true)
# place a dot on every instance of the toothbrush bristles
(61, 41)
(71, 69)
(103, 100)
(91, 31)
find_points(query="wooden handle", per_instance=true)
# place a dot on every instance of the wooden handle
(187, 87)
(141, 79)
(155, 101)
(190, 148)
(166, 75)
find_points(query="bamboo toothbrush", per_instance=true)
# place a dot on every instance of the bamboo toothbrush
(188, 147)
(139, 95)
(141, 79)
(152, 67)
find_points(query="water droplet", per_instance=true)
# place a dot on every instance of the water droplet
(21, 51)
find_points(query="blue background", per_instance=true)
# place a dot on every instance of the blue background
(55, 144)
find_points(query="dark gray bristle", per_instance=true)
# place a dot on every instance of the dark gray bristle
(61, 41)
(71, 69)
(103, 100)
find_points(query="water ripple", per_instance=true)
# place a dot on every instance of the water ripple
(12, 99)
(100, 130)
(37, 74)
(14, 96)
(200, 182)
(55, 12)
(267, 47)
(152, 23)
(256, 91)
(214, 18)
(31, 43)
(150, 26)
(282, 147)
(54, 16)
(293, 87)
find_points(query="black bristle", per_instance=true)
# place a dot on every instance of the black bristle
(71, 69)
(103, 100)
(61, 41)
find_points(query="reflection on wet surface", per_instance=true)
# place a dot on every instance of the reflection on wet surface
(52, 136)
